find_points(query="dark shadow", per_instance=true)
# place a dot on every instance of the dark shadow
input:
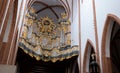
(26, 64)
(115, 48)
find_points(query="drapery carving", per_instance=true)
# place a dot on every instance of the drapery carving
(46, 40)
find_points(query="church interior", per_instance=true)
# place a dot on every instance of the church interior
(59, 36)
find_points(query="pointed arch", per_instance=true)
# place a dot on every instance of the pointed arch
(30, 2)
(85, 57)
(105, 60)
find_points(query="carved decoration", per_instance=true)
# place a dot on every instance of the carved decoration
(43, 39)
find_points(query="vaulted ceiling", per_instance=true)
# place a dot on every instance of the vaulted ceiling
(49, 8)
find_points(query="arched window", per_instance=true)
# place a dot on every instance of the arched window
(90, 64)
(93, 66)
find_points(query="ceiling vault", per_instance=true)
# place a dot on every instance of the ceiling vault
(52, 6)
(65, 6)
(61, 4)
(68, 7)
(49, 7)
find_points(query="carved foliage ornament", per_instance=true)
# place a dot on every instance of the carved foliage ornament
(43, 39)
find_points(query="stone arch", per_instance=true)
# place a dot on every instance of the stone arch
(89, 45)
(67, 9)
(105, 44)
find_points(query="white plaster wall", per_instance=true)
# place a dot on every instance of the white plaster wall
(75, 25)
(103, 8)
(22, 12)
(75, 8)
(87, 25)
(75, 31)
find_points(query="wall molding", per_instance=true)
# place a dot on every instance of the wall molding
(79, 28)
(96, 32)
(88, 44)
(105, 60)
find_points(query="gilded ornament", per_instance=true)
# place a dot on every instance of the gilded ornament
(25, 51)
(37, 57)
(47, 25)
(48, 39)
(24, 33)
(32, 10)
(54, 60)
(64, 15)
(31, 54)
